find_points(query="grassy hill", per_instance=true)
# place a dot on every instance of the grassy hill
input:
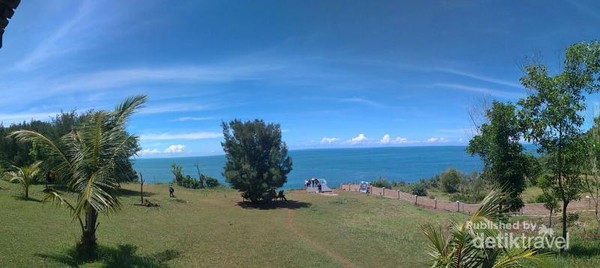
(209, 228)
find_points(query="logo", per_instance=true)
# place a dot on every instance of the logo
(489, 235)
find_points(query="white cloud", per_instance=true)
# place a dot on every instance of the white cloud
(400, 140)
(435, 139)
(176, 148)
(149, 152)
(327, 140)
(172, 149)
(361, 138)
(385, 139)
(181, 136)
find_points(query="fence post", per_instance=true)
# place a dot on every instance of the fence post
(383, 191)
(435, 203)
(457, 206)
(416, 196)
(589, 201)
(398, 194)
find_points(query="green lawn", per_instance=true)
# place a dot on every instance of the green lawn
(208, 228)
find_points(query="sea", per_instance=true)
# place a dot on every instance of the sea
(336, 166)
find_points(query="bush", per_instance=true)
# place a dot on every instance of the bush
(450, 181)
(419, 189)
(210, 181)
(381, 183)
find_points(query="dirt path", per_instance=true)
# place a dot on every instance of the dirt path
(290, 224)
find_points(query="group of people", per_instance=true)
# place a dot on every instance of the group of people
(313, 182)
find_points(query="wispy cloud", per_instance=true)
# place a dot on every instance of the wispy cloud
(181, 136)
(191, 118)
(181, 74)
(480, 77)
(362, 101)
(486, 91)
(585, 9)
(51, 46)
(8, 119)
(327, 140)
(175, 107)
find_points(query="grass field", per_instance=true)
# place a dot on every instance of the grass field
(209, 228)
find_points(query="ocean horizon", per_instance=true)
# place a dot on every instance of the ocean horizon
(337, 165)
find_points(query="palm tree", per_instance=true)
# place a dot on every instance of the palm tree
(90, 156)
(458, 249)
(24, 175)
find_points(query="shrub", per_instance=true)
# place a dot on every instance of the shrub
(381, 183)
(210, 181)
(450, 181)
(419, 189)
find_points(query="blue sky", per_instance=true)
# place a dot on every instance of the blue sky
(332, 73)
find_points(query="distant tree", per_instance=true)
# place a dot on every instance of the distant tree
(450, 181)
(551, 116)
(89, 158)
(257, 161)
(498, 145)
(24, 175)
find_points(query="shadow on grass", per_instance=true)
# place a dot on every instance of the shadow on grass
(127, 192)
(121, 256)
(290, 204)
(22, 198)
(585, 250)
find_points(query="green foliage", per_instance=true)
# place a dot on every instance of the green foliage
(419, 189)
(450, 181)
(257, 159)
(210, 181)
(24, 175)
(188, 181)
(458, 249)
(381, 183)
(17, 153)
(89, 157)
(498, 146)
(552, 116)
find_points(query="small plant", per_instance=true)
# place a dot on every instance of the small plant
(419, 189)
(24, 175)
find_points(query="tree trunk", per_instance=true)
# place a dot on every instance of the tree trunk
(141, 189)
(26, 192)
(87, 246)
(550, 220)
(564, 223)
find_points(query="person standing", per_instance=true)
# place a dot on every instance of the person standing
(171, 191)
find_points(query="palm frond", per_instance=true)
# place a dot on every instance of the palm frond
(44, 142)
(514, 257)
(128, 107)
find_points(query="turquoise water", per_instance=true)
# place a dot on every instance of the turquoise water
(335, 165)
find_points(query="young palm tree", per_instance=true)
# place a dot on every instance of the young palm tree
(90, 156)
(459, 249)
(24, 175)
